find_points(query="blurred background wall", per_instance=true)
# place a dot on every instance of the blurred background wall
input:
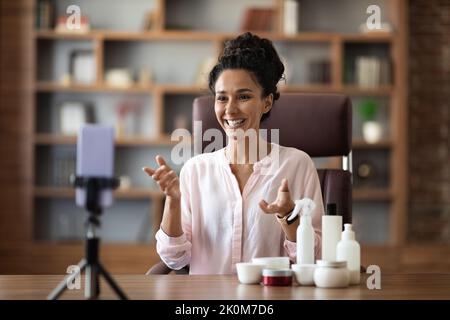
(429, 121)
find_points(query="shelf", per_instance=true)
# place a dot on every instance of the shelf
(67, 192)
(164, 35)
(299, 37)
(51, 34)
(372, 194)
(367, 91)
(163, 88)
(58, 139)
(349, 90)
(182, 89)
(56, 87)
(319, 88)
(113, 35)
(212, 36)
(361, 144)
(372, 37)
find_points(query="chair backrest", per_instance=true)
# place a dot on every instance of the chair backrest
(318, 124)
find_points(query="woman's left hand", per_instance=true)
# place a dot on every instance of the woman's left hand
(283, 204)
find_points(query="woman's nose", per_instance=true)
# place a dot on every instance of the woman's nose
(231, 106)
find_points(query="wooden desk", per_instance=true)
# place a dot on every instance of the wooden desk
(182, 287)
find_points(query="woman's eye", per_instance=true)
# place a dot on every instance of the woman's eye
(221, 98)
(244, 97)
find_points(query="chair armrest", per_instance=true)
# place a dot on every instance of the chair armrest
(159, 268)
(162, 268)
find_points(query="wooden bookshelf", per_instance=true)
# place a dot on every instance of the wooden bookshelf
(100, 40)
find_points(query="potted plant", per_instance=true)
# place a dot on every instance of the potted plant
(372, 130)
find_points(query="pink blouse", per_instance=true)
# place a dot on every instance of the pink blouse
(222, 226)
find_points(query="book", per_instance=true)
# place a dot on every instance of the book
(258, 19)
(372, 71)
(290, 17)
(44, 14)
(320, 72)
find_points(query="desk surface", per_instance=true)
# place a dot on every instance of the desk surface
(183, 287)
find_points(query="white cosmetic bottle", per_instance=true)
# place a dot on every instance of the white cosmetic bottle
(305, 231)
(348, 249)
(331, 232)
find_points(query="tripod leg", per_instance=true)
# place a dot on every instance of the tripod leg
(91, 289)
(92, 283)
(62, 286)
(111, 282)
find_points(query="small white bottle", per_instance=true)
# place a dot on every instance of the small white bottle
(305, 231)
(331, 232)
(348, 249)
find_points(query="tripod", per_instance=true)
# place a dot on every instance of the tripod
(91, 263)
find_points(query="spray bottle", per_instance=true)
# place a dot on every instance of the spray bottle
(305, 231)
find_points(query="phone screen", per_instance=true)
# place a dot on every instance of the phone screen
(95, 158)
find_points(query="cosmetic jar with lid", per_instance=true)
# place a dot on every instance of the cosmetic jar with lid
(331, 274)
(277, 277)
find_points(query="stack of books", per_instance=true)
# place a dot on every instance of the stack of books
(290, 17)
(320, 72)
(258, 19)
(44, 14)
(372, 71)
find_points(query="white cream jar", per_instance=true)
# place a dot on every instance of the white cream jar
(331, 274)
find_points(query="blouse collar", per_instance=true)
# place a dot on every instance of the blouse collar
(266, 161)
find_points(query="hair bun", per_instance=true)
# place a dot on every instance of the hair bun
(256, 53)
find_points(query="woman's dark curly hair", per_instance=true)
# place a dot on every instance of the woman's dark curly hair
(256, 55)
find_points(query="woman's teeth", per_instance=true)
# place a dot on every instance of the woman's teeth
(235, 123)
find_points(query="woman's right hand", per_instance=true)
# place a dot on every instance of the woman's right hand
(166, 178)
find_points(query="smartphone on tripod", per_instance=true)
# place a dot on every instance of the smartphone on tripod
(94, 183)
(95, 158)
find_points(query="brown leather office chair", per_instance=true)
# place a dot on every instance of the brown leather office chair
(318, 124)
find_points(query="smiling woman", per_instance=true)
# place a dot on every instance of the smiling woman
(216, 214)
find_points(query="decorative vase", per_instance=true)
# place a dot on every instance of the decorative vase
(372, 131)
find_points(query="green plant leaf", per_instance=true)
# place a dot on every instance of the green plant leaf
(368, 110)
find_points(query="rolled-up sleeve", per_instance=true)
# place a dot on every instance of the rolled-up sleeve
(175, 252)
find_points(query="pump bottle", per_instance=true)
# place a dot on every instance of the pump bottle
(349, 250)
